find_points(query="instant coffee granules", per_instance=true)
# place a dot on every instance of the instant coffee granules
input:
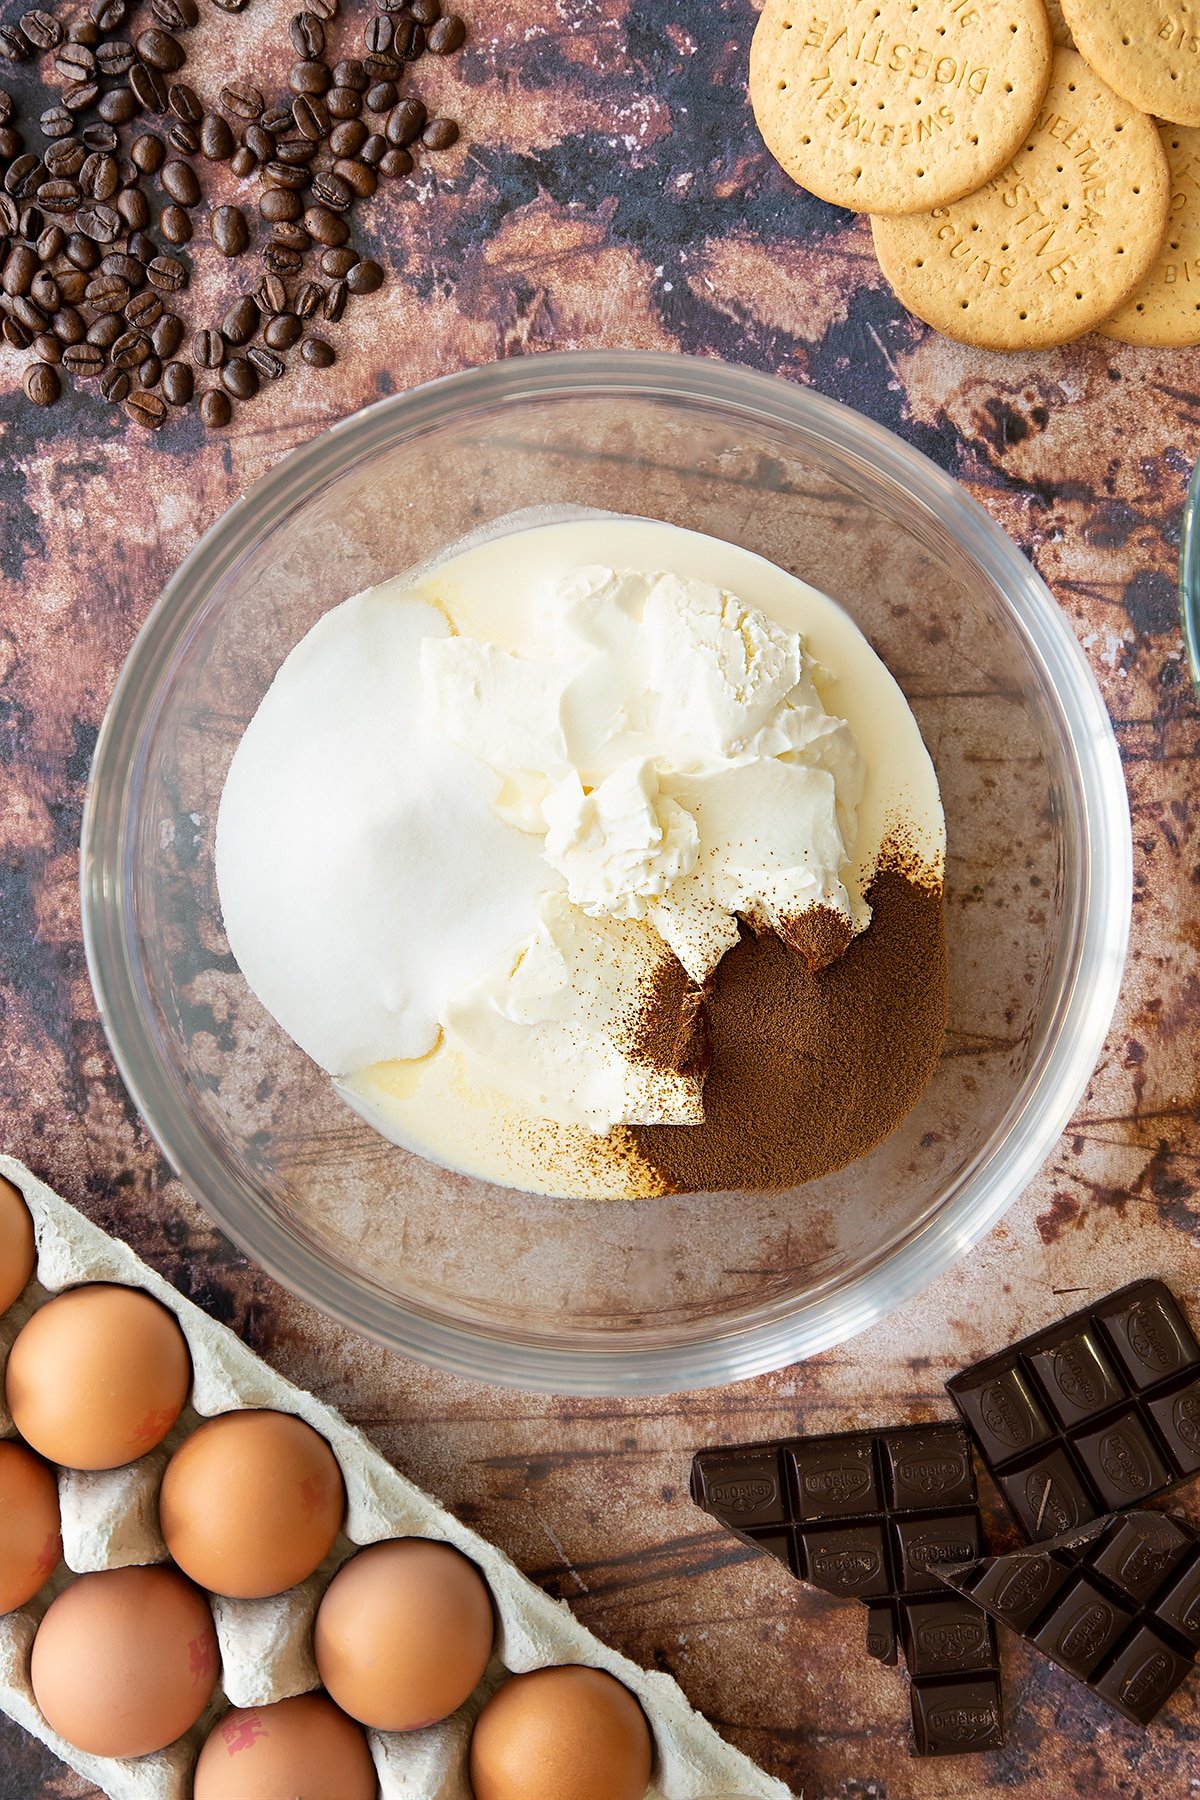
(813, 1067)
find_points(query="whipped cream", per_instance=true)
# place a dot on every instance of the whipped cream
(667, 742)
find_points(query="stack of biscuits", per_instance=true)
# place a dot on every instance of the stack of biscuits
(1032, 170)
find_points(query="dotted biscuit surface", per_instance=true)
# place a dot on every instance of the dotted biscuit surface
(1150, 53)
(1057, 241)
(1165, 310)
(894, 106)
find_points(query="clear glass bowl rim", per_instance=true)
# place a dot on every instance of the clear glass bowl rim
(981, 1194)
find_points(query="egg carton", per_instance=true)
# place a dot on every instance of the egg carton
(110, 1521)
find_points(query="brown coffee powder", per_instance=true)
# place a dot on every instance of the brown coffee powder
(811, 1068)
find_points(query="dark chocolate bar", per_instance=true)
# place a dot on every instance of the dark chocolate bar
(1091, 1415)
(872, 1516)
(1116, 1604)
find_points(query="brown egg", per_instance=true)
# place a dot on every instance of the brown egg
(302, 1749)
(98, 1376)
(251, 1503)
(566, 1733)
(125, 1661)
(18, 1253)
(404, 1633)
(30, 1535)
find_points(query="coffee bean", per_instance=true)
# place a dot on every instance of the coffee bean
(6, 107)
(446, 36)
(379, 34)
(425, 12)
(144, 311)
(332, 191)
(178, 179)
(415, 47)
(184, 139)
(260, 141)
(439, 134)
(42, 385)
(14, 45)
(297, 152)
(146, 409)
(71, 285)
(82, 252)
(31, 222)
(178, 383)
(317, 353)
(84, 361)
(104, 332)
(243, 163)
(66, 157)
(240, 98)
(11, 143)
(216, 139)
(50, 243)
(116, 57)
(383, 68)
(215, 409)
(325, 10)
(21, 173)
(44, 291)
(285, 175)
(184, 103)
(75, 62)
(160, 50)
(10, 215)
(109, 15)
(228, 229)
(80, 95)
(129, 269)
(289, 234)
(281, 259)
(311, 117)
(230, 6)
(167, 273)
(147, 153)
(149, 88)
(309, 296)
(405, 124)
(277, 118)
(98, 177)
(365, 277)
(326, 227)
(271, 294)
(347, 137)
(134, 208)
(280, 203)
(283, 331)
(175, 15)
(307, 34)
(167, 335)
(334, 303)
(337, 263)
(241, 321)
(351, 73)
(15, 334)
(344, 103)
(98, 221)
(84, 31)
(58, 196)
(175, 223)
(149, 371)
(382, 97)
(373, 150)
(47, 348)
(114, 385)
(208, 349)
(309, 77)
(360, 180)
(56, 122)
(394, 163)
(266, 362)
(240, 378)
(108, 294)
(42, 29)
(29, 313)
(118, 107)
(130, 349)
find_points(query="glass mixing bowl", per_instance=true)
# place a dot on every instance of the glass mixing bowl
(615, 1297)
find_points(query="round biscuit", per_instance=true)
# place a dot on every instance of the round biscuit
(1165, 310)
(1149, 53)
(1059, 239)
(894, 106)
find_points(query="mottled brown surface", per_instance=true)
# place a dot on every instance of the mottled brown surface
(614, 192)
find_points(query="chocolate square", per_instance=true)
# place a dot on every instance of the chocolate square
(1179, 1607)
(1177, 1416)
(778, 1544)
(1049, 1498)
(930, 1469)
(1150, 1335)
(952, 1718)
(881, 1632)
(850, 1562)
(740, 1487)
(1076, 1376)
(1082, 1625)
(923, 1545)
(947, 1637)
(1143, 1675)
(833, 1477)
(1140, 1553)
(1017, 1588)
(1123, 1463)
(1003, 1413)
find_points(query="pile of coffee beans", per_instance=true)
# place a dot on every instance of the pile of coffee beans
(97, 206)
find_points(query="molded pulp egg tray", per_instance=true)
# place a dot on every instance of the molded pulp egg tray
(110, 1520)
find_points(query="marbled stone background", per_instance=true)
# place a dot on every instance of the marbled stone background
(611, 190)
